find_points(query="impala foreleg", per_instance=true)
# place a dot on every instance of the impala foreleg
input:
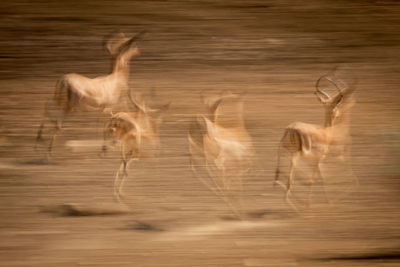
(311, 184)
(277, 171)
(117, 182)
(213, 178)
(216, 190)
(318, 171)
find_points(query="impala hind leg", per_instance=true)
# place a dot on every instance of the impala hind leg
(53, 138)
(293, 164)
(39, 137)
(120, 179)
(104, 147)
(277, 171)
(57, 128)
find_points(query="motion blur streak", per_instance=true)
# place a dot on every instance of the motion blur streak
(272, 52)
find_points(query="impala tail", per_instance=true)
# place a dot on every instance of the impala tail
(62, 94)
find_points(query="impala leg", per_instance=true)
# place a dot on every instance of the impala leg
(121, 180)
(277, 173)
(39, 134)
(240, 190)
(206, 183)
(293, 164)
(311, 181)
(57, 128)
(104, 147)
(41, 127)
(323, 182)
(210, 174)
(117, 182)
(124, 165)
(231, 198)
(101, 121)
(125, 174)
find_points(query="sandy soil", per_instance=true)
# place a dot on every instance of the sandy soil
(272, 50)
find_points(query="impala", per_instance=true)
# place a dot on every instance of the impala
(138, 135)
(77, 92)
(222, 142)
(313, 142)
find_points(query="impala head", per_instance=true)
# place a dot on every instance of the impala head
(225, 108)
(337, 104)
(118, 125)
(147, 117)
(113, 41)
(118, 44)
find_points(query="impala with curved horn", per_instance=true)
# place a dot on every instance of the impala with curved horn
(313, 142)
(223, 144)
(138, 134)
(78, 92)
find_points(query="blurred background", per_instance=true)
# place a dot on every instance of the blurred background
(272, 50)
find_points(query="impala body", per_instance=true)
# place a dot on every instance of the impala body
(314, 142)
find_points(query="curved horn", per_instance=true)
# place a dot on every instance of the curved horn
(319, 90)
(336, 84)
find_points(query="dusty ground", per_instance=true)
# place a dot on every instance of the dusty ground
(272, 50)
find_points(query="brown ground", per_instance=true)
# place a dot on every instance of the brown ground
(274, 51)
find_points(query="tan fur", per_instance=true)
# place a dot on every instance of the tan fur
(77, 92)
(138, 134)
(313, 142)
(222, 141)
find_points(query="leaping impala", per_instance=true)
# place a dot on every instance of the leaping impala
(222, 142)
(138, 135)
(313, 142)
(77, 92)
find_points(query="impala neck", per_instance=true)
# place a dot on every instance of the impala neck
(121, 67)
(339, 127)
(328, 118)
